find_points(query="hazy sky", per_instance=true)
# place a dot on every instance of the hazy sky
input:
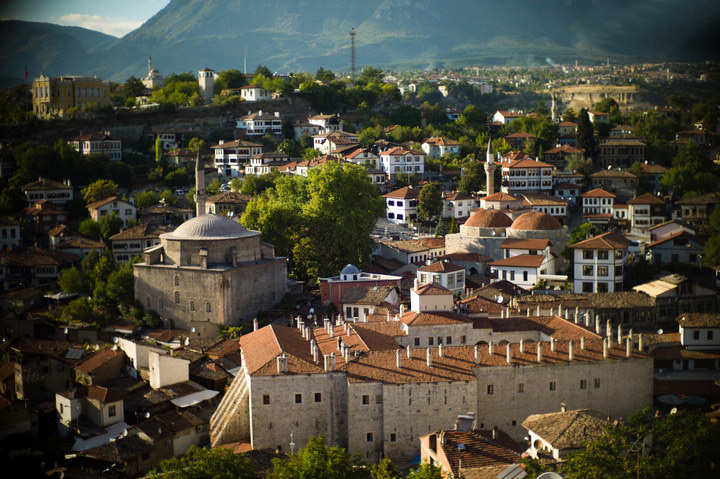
(114, 17)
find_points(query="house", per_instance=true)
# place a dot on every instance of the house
(520, 140)
(46, 189)
(676, 294)
(450, 113)
(443, 273)
(258, 124)
(328, 142)
(696, 211)
(413, 251)
(558, 156)
(100, 368)
(9, 234)
(172, 433)
(255, 93)
(555, 207)
(131, 242)
(680, 247)
(302, 126)
(326, 123)
(363, 157)
(620, 152)
(32, 266)
(112, 205)
(622, 183)
(56, 96)
(436, 147)
(567, 129)
(470, 453)
(169, 139)
(358, 304)
(668, 228)
(180, 156)
(458, 205)
(600, 263)
(402, 161)
(231, 157)
(501, 201)
(80, 247)
(505, 117)
(621, 216)
(525, 176)
(42, 217)
(227, 203)
(653, 174)
(699, 330)
(163, 214)
(645, 211)
(523, 270)
(264, 163)
(402, 205)
(332, 289)
(555, 435)
(598, 117)
(597, 206)
(98, 143)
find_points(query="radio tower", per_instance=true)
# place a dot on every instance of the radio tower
(352, 53)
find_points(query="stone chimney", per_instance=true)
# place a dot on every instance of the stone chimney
(441, 350)
(255, 324)
(552, 345)
(339, 342)
(409, 351)
(279, 364)
(628, 347)
(571, 350)
(563, 407)
(527, 312)
(398, 359)
(331, 330)
(640, 342)
(619, 334)
(508, 353)
(605, 348)
(522, 345)
(477, 354)
(494, 433)
(429, 357)
(539, 352)
(608, 328)
(491, 348)
(326, 363)
(402, 310)
(597, 324)
(332, 361)
(538, 310)
(582, 343)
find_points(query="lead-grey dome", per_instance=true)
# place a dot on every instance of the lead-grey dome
(349, 269)
(209, 227)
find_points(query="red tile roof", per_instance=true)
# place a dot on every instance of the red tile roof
(609, 240)
(404, 193)
(646, 199)
(441, 267)
(597, 193)
(530, 243)
(431, 289)
(520, 261)
(98, 359)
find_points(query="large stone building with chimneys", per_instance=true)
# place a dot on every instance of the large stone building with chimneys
(210, 271)
(375, 387)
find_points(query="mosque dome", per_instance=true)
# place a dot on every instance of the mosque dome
(488, 219)
(348, 271)
(209, 227)
(535, 221)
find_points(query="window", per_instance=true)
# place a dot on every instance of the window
(521, 388)
(393, 437)
(298, 399)
(602, 270)
(318, 397)
(552, 385)
(448, 340)
(525, 276)
(710, 334)
(603, 254)
(587, 270)
(430, 341)
(696, 335)
(378, 399)
(160, 303)
(192, 305)
(112, 411)
(587, 287)
(208, 307)
(596, 383)
(583, 384)
(588, 254)
(177, 297)
(417, 341)
(463, 339)
(266, 399)
(177, 280)
(366, 399)
(369, 437)
(490, 389)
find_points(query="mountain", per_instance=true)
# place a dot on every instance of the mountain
(302, 35)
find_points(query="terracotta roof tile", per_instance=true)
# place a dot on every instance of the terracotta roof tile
(432, 289)
(699, 320)
(404, 193)
(98, 359)
(569, 429)
(441, 267)
(646, 199)
(530, 243)
(521, 261)
(597, 193)
(609, 240)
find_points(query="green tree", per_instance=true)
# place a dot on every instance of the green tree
(430, 202)
(473, 177)
(90, 229)
(692, 173)
(78, 310)
(425, 471)
(579, 164)
(196, 144)
(711, 251)
(706, 111)
(133, 87)
(104, 266)
(290, 148)
(229, 79)
(580, 233)
(121, 285)
(110, 225)
(677, 445)
(72, 280)
(206, 463)
(585, 135)
(317, 461)
(324, 75)
(406, 115)
(158, 149)
(12, 200)
(264, 71)
(99, 190)
(370, 75)
(146, 199)
(385, 469)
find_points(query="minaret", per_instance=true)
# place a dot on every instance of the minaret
(199, 186)
(490, 169)
(149, 66)
(553, 106)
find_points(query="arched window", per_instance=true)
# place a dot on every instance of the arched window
(192, 305)
(177, 297)
(177, 280)
(208, 308)
(148, 302)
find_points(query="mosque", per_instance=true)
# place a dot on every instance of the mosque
(210, 271)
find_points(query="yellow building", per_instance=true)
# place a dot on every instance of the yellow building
(54, 97)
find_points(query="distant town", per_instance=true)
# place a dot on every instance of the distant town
(478, 273)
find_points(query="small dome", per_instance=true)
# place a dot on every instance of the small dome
(349, 269)
(535, 220)
(488, 219)
(209, 227)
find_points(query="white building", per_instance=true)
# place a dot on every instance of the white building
(458, 205)
(505, 117)
(255, 125)
(436, 147)
(699, 330)
(445, 274)
(527, 176)
(645, 211)
(402, 205)
(255, 93)
(555, 207)
(328, 142)
(231, 157)
(9, 234)
(600, 263)
(363, 157)
(400, 160)
(326, 123)
(112, 205)
(98, 143)
(597, 206)
(206, 83)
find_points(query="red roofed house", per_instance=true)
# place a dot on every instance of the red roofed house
(112, 205)
(519, 139)
(46, 189)
(645, 211)
(524, 270)
(332, 288)
(445, 274)
(100, 368)
(402, 205)
(436, 147)
(600, 263)
(558, 156)
(405, 161)
(231, 157)
(524, 176)
(680, 247)
(98, 142)
(458, 205)
(42, 217)
(597, 206)
(255, 93)
(505, 117)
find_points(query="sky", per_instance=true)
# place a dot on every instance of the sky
(113, 17)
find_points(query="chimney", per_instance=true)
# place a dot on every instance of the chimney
(429, 357)
(597, 324)
(255, 324)
(527, 312)
(640, 342)
(605, 348)
(326, 362)
(552, 344)
(539, 352)
(508, 353)
(313, 344)
(332, 361)
(522, 345)
(279, 364)
(315, 353)
(416, 283)
(494, 433)
(608, 328)
(538, 310)
(559, 310)
(398, 359)
(628, 347)
(331, 330)
(619, 334)
(582, 343)
(563, 407)
(491, 349)
(326, 321)
(339, 342)
(571, 350)
(477, 354)
(402, 310)
(387, 316)
(349, 331)
(577, 319)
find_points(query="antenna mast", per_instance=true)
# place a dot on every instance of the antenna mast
(352, 53)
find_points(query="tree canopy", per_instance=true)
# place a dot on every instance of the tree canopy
(99, 190)
(692, 173)
(321, 222)
(318, 461)
(205, 463)
(430, 202)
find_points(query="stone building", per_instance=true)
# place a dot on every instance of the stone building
(367, 388)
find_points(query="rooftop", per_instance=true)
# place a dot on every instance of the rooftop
(568, 429)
